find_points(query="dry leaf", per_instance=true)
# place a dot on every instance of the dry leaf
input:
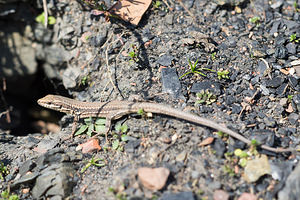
(130, 10)
(206, 141)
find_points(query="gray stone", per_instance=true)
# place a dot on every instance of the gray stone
(274, 28)
(296, 100)
(26, 166)
(71, 77)
(211, 86)
(43, 183)
(178, 196)
(293, 118)
(165, 60)
(291, 48)
(28, 178)
(171, 83)
(291, 190)
(275, 82)
(55, 55)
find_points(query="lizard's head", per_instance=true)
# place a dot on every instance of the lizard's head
(51, 101)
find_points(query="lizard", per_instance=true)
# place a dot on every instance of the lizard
(112, 110)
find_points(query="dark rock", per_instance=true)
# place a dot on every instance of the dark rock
(177, 196)
(171, 82)
(274, 28)
(280, 52)
(262, 67)
(26, 179)
(236, 109)
(280, 91)
(131, 145)
(99, 39)
(293, 118)
(296, 100)
(291, 190)
(219, 147)
(47, 144)
(165, 60)
(211, 86)
(43, 183)
(281, 170)
(280, 41)
(231, 42)
(293, 82)
(270, 122)
(264, 137)
(275, 82)
(26, 166)
(264, 90)
(230, 100)
(291, 48)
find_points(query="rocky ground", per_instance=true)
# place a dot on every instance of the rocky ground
(247, 78)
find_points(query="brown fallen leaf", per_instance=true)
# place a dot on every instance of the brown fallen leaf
(153, 178)
(90, 146)
(206, 141)
(130, 10)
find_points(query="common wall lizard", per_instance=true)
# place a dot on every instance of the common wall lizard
(112, 110)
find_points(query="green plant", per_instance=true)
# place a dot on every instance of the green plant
(3, 171)
(120, 195)
(205, 97)
(290, 97)
(194, 70)
(94, 162)
(228, 170)
(91, 126)
(84, 80)
(5, 195)
(293, 38)
(223, 74)
(157, 4)
(295, 4)
(134, 54)
(41, 19)
(255, 20)
(213, 55)
(120, 129)
(242, 157)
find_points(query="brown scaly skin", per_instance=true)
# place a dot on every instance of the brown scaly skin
(115, 109)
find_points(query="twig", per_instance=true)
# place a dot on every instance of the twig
(108, 66)
(45, 12)
(187, 10)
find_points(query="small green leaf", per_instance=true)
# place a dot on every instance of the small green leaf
(100, 128)
(51, 20)
(90, 130)
(88, 121)
(115, 144)
(100, 121)
(124, 138)
(118, 127)
(140, 111)
(243, 162)
(81, 130)
(124, 128)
